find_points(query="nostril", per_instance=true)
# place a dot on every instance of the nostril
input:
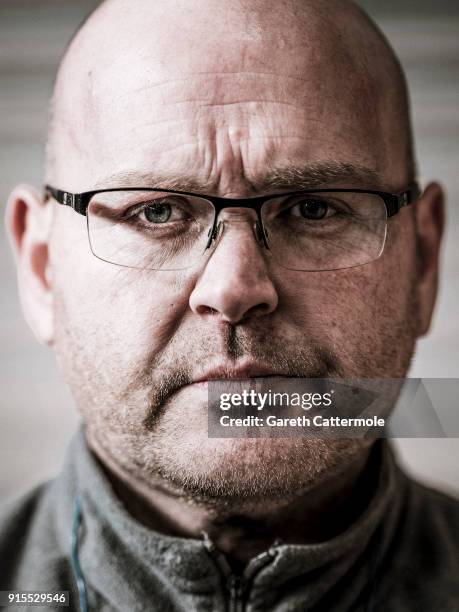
(258, 309)
(206, 310)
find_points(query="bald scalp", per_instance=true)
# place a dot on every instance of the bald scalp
(222, 93)
(335, 30)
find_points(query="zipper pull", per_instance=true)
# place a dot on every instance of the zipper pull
(235, 585)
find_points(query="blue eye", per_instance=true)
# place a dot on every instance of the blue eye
(158, 213)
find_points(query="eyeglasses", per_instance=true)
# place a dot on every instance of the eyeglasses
(309, 230)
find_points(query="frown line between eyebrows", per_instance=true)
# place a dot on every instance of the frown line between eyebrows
(283, 178)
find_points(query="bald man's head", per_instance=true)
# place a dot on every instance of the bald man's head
(231, 99)
(332, 45)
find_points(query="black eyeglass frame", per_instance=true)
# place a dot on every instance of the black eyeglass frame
(393, 202)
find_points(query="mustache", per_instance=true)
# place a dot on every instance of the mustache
(177, 366)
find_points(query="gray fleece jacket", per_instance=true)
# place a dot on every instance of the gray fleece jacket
(74, 535)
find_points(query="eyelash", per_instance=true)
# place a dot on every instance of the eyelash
(136, 209)
(132, 214)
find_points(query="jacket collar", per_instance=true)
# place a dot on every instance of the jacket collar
(127, 565)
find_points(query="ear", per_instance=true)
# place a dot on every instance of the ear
(28, 223)
(430, 219)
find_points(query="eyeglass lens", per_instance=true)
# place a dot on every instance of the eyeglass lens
(168, 231)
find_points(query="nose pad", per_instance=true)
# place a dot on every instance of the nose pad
(214, 234)
(260, 235)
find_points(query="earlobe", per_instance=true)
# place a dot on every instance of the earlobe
(28, 222)
(430, 219)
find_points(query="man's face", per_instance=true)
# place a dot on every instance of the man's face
(220, 102)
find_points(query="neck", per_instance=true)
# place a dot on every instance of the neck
(242, 529)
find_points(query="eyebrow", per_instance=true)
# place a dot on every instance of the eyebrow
(292, 177)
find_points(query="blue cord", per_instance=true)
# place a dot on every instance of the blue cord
(80, 582)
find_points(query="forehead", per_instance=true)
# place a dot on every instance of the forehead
(222, 104)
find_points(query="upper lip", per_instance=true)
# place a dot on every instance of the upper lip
(223, 372)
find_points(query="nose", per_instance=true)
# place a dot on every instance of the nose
(234, 283)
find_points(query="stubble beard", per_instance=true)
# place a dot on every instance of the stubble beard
(142, 426)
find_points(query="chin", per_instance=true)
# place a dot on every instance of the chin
(248, 468)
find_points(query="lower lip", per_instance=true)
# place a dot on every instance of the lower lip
(200, 385)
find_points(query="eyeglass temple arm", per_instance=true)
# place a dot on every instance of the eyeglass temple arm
(400, 200)
(74, 200)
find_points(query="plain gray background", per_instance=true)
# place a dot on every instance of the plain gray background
(36, 411)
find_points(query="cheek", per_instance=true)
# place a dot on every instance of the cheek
(122, 315)
(365, 315)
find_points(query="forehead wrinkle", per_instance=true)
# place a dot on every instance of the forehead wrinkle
(307, 36)
(205, 74)
(280, 178)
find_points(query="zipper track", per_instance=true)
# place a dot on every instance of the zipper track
(238, 586)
